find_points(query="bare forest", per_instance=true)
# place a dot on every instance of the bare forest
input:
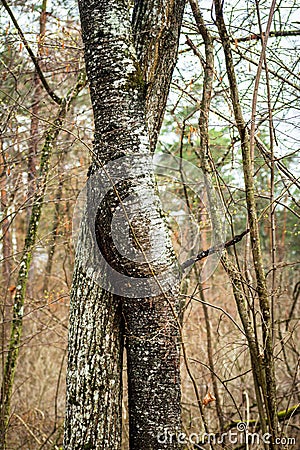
(150, 233)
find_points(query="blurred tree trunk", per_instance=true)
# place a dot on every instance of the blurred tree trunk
(6, 240)
(129, 88)
(55, 224)
(34, 126)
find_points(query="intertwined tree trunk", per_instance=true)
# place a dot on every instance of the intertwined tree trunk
(128, 90)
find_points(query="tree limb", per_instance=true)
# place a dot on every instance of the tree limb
(257, 36)
(52, 94)
(214, 249)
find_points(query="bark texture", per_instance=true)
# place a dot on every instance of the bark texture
(143, 288)
(156, 28)
(93, 418)
(5, 224)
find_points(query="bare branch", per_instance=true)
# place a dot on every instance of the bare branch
(257, 37)
(214, 249)
(52, 94)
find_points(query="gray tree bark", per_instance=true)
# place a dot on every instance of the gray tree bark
(156, 30)
(126, 277)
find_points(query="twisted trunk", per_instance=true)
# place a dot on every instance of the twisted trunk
(129, 276)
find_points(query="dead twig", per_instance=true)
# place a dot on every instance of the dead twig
(214, 249)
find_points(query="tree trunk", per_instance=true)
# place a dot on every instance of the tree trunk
(34, 126)
(124, 247)
(54, 230)
(22, 278)
(262, 291)
(5, 225)
(156, 29)
(93, 419)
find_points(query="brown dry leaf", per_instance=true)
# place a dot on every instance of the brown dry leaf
(12, 289)
(208, 399)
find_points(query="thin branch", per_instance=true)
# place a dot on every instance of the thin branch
(52, 94)
(257, 80)
(280, 166)
(257, 37)
(296, 294)
(214, 249)
(247, 147)
(219, 308)
(275, 73)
